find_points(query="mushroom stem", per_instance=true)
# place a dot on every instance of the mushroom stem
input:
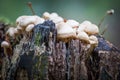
(5, 51)
(101, 21)
(109, 12)
(103, 32)
(31, 8)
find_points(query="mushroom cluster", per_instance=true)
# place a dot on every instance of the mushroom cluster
(66, 29)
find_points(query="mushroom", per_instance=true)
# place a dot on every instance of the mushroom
(83, 36)
(11, 32)
(57, 20)
(5, 45)
(29, 28)
(53, 15)
(38, 20)
(93, 40)
(64, 31)
(74, 24)
(23, 21)
(20, 29)
(91, 29)
(83, 25)
(88, 27)
(46, 15)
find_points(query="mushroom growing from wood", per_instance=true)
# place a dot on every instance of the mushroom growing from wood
(65, 32)
(88, 27)
(5, 45)
(12, 32)
(93, 40)
(29, 29)
(24, 21)
(74, 24)
(83, 36)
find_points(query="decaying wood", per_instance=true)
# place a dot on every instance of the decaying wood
(57, 60)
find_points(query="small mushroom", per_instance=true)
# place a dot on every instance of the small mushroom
(88, 27)
(83, 25)
(11, 32)
(72, 23)
(39, 21)
(64, 31)
(93, 40)
(92, 29)
(53, 15)
(23, 21)
(29, 28)
(57, 20)
(83, 36)
(5, 45)
(46, 15)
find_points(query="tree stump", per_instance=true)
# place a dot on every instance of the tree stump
(41, 57)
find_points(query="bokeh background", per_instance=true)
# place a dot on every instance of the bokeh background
(80, 10)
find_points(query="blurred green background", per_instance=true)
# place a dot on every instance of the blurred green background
(79, 10)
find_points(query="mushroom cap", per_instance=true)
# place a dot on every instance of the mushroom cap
(57, 20)
(83, 36)
(39, 21)
(52, 15)
(29, 28)
(5, 44)
(72, 23)
(18, 27)
(93, 40)
(83, 25)
(92, 29)
(46, 15)
(65, 31)
(80, 28)
(86, 23)
(23, 21)
(11, 32)
(16, 31)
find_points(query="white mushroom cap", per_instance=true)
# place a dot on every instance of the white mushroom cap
(83, 25)
(11, 32)
(23, 21)
(86, 23)
(39, 21)
(88, 27)
(46, 15)
(65, 31)
(93, 40)
(16, 31)
(92, 29)
(52, 15)
(72, 23)
(5, 44)
(29, 28)
(57, 20)
(18, 27)
(83, 36)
